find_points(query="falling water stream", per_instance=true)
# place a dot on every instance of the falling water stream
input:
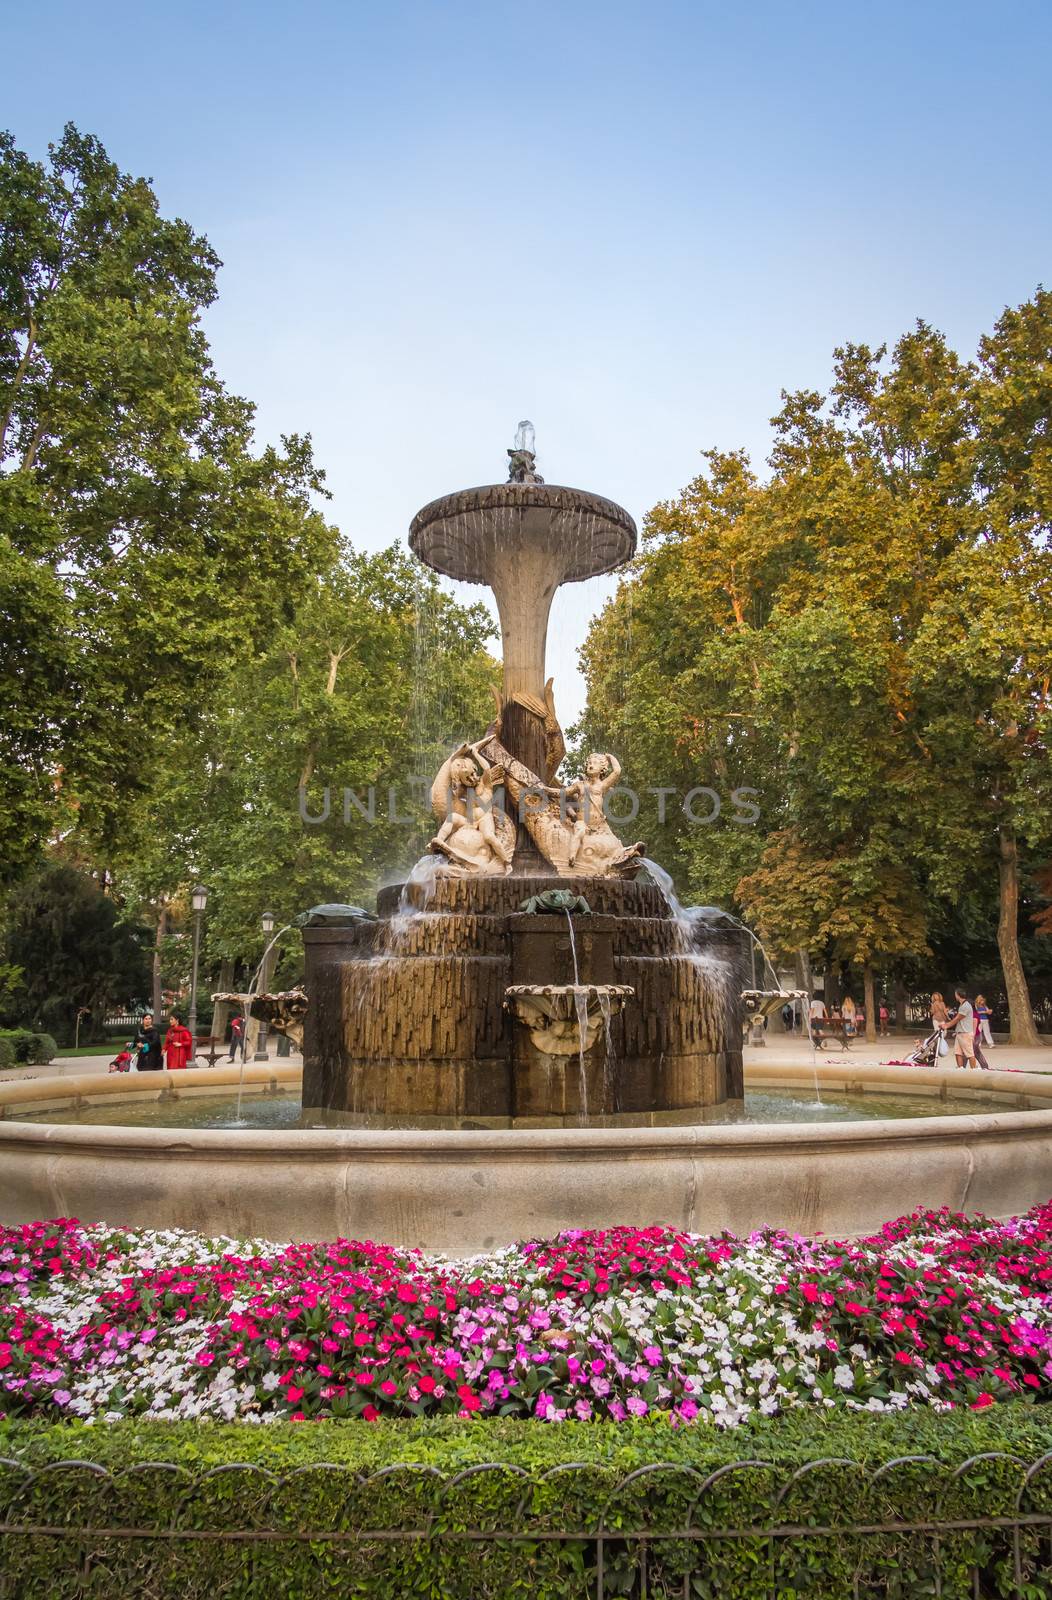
(581, 1002)
(246, 1006)
(608, 1039)
(664, 882)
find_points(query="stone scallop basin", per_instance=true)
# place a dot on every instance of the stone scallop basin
(977, 1143)
(565, 1018)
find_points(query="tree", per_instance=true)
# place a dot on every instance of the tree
(858, 906)
(75, 949)
(869, 626)
(143, 542)
(297, 786)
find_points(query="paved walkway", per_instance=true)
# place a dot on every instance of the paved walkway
(780, 1048)
(72, 1066)
(790, 1050)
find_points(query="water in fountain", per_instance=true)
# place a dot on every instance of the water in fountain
(418, 891)
(573, 950)
(581, 1003)
(580, 995)
(664, 882)
(608, 1042)
(246, 1006)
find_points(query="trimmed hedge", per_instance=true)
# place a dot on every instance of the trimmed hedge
(7, 1053)
(325, 1479)
(30, 1048)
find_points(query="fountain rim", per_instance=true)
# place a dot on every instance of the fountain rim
(510, 1143)
(416, 1188)
(553, 497)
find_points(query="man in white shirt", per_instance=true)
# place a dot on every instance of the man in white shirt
(963, 1024)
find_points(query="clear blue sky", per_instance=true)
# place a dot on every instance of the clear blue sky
(633, 223)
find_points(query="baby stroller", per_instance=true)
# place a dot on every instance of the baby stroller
(122, 1061)
(928, 1052)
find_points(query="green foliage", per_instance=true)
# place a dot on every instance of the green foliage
(186, 640)
(372, 678)
(27, 1047)
(143, 540)
(76, 950)
(7, 1052)
(865, 638)
(327, 1479)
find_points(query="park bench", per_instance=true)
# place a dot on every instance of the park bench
(831, 1031)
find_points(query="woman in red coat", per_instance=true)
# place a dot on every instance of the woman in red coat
(178, 1045)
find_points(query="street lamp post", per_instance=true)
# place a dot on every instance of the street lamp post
(82, 1011)
(267, 922)
(198, 899)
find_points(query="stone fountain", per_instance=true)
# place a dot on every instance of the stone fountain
(529, 971)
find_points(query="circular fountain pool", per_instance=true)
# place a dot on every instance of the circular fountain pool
(283, 1111)
(886, 1140)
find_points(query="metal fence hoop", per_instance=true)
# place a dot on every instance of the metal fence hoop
(721, 1472)
(805, 1471)
(552, 1472)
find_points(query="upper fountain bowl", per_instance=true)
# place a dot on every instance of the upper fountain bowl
(461, 534)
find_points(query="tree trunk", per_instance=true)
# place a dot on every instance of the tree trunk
(871, 1004)
(803, 970)
(901, 1019)
(161, 930)
(223, 1008)
(1020, 1011)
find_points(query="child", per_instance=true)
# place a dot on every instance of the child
(123, 1059)
(883, 1020)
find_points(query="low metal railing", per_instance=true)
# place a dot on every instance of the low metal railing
(623, 1551)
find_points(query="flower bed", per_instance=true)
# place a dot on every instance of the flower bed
(935, 1310)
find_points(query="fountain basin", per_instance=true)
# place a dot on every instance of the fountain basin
(408, 1023)
(565, 1018)
(459, 1190)
(523, 540)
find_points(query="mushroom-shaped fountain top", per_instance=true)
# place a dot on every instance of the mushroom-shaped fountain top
(523, 538)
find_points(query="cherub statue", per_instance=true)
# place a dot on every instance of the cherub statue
(575, 838)
(476, 835)
(601, 772)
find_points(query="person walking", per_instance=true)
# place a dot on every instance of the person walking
(963, 1024)
(977, 1044)
(148, 1045)
(849, 1013)
(178, 1045)
(940, 1018)
(883, 1013)
(983, 1014)
(787, 1017)
(237, 1037)
(816, 1017)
